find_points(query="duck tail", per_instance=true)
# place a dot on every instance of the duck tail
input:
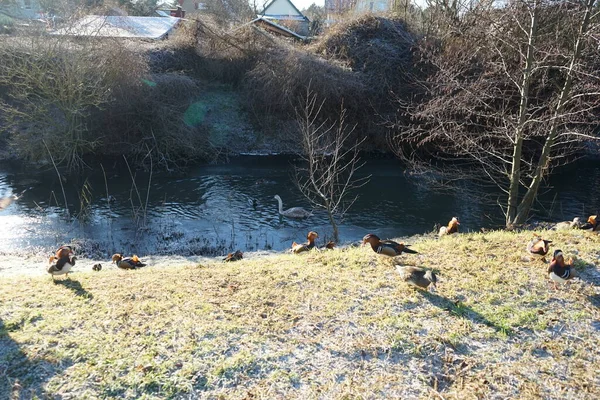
(409, 251)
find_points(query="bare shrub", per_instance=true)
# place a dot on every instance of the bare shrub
(380, 48)
(328, 177)
(277, 83)
(153, 118)
(52, 89)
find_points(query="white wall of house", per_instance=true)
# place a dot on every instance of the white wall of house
(281, 7)
(27, 9)
(372, 6)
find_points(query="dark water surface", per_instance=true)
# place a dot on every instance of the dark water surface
(212, 209)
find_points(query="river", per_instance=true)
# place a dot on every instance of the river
(213, 209)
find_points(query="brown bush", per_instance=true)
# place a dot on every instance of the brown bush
(380, 48)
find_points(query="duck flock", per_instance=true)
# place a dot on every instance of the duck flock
(559, 270)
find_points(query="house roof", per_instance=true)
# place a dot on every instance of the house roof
(274, 27)
(273, 9)
(120, 26)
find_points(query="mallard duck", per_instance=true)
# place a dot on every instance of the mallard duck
(97, 267)
(237, 256)
(128, 262)
(417, 276)
(560, 271)
(451, 228)
(538, 247)
(64, 251)
(309, 245)
(294, 212)
(575, 224)
(60, 266)
(386, 247)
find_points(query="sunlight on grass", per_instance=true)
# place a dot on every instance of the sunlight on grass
(335, 323)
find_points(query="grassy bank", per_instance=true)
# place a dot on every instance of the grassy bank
(337, 324)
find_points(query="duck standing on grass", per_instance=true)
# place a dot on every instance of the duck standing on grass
(127, 262)
(559, 271)
(386, 247)
(416, 276)
(309, 245)
(60, 266)
(237, 256)
(451, 228)
(539, 247)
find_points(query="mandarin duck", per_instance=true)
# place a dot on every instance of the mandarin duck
(60, 266)
(64, 251)
(127, 262)
(386, 247)
(560, 271)
(329, 246)
(451, 228)
(309, 245)
(237, 256)
(538, 247)
(593, 224)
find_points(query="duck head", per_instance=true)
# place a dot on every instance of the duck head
(559, 257)
(116, 258)
(312, 235)
(453, 223)
(592, 219)
(430, 276)
(371, 239)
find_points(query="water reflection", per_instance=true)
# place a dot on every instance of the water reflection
(222, 207)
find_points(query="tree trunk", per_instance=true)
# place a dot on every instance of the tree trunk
(515, 173)
(531, 194)
(336, 233)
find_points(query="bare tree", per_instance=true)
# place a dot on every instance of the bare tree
(328, 177)
(509, 99)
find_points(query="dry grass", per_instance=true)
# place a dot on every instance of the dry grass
(336, 324)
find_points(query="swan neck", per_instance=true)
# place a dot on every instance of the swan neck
(280, 205)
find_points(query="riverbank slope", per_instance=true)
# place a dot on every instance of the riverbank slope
(334, 324)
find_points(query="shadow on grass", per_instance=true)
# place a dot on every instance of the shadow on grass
(461, 310)
(76, 287)
(22, 377)
(588, 273)
(595, 300)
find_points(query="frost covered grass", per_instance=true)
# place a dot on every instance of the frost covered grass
(332, 324)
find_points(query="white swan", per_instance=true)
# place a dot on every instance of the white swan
(294, 212)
